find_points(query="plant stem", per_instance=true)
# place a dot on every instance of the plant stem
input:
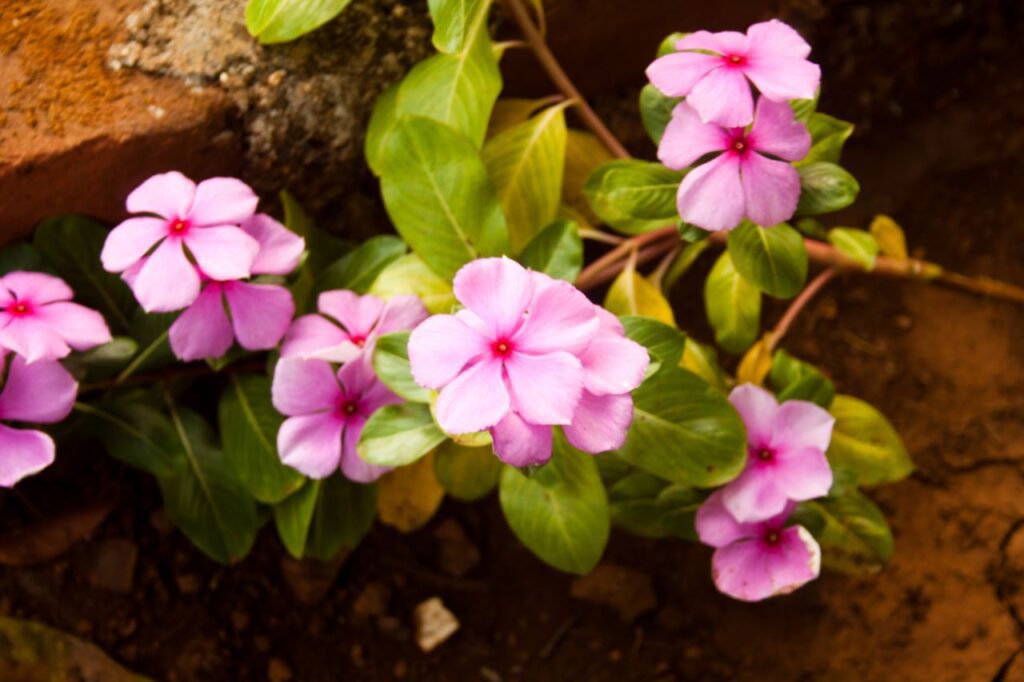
(141, 357)
(798, 304)
(605, 267)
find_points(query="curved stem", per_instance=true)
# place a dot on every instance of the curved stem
(141, 357)
(597, 273)
(798, 304)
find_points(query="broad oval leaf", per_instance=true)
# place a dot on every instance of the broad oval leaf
(525, 164)
(864, 442)
(466, 473)
(856, 244)
(733, 306)
(382, 122)
(248, 427)
(137, 431)
(358, 269)
(853, 533)
(410, 495)
(396, 435)
(278, 21)
(702, 360)
(889, 235)
(795, 379)
(342, 514)
(631, 294)
(634, 196)
(454, 21)
(557, 250)
(584, 154)
(293, 516)
(685, 431)
(439, 198)
(409, 276)
(774, 259)
(664, 342)
(560, 512)
(22, 256)
(824, 188)
(656, 111)
(828, 134)
(391, 365)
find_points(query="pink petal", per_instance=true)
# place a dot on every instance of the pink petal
(260, 313)
(353, 466)
(280, 248)
(441, 347)
(357, 377)
(167, 281)
(722, 42)
(757, 408)
(776, 38)
(687, 138)
(676, 74)
(771, 189)
(795, 561)
(31, 338)
(559, 318)
(41, 392)
(130, 241)
(304, 386)
(613, 365)
(723, 97)
(519, 443)
(357, 314)
(36, 287)
(755, 495)
(711, 195)
(476, 400)
(399, 313)
(311, 443)
(803, 474)
(776, 131)
(23, 453)
(782, 78)
(312, 336)
(739, 570)
(203, 330)
(498, 290)
(802, 424)
(600, 423)
(717, 527)
(545, 388)
(81, 328)
(222, 201)
(167, 194)
(223, 253)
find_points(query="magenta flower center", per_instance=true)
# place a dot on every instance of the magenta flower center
(502, 348)
(19, 309)
(347, 407)
(735, 59)
(358, 340)
(179, 226)
(739, 144)
(772, 537)
(765, 455)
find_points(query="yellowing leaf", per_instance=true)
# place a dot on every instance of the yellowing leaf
(631, 294)
(509, 112)
(408, 496)
(410, 275)
(756, 363)
(889, 236)
(584, 154)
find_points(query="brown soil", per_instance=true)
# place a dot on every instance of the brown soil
(938, 147)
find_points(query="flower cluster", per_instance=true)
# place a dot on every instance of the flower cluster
(195, 250)
(714, 73)
(327, 408)
(756, 555)
(526, 353)
(39, 324)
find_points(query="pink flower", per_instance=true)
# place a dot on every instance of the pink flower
(786, 461)
(771, 55)
(326, 412)
(349, 323)
(43, 392)
(754, 561)
(528, 352)
(205, 218)
(260, 313)
(741, 181)
(39, 322)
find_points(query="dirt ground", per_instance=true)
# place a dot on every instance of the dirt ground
(938, 147)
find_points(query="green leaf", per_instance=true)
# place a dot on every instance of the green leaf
(439, 198)
(323, 248)
(774, 259)
(136, 431)
(584, 154)
(889, 235)
(525, 164)
(150, 331)
(454, 21)
(382, 123)
(458, 90)
(853, 533)
(656, 111)
(631, 294)
(72, 245)
(248, 426)
(396, 435)
(293, 516)
(21, 256)
(509, 112)
(391, 365)
(864, 442)
(803, 109)
(685, 431)
(828, 135)
(358, 269)
(668, 43)
(104, 361)
(409, 276)
(278, 21)
(648, 506)
(634, 196)
(557, 250)
(825, 187)
(857, 244)
(733, 306)
(702, 360)
(205, 500)
(795, 379)
(664, 342)
(560, 512)
(344, 513)
(466, 473)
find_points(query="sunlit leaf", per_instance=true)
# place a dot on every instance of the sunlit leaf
(466, 473)
(857, 244)
(278, 21)
(774, 259)
(733, 306)
(409, 495)
(864, 442)
(890, 237)
(556, 251)
(631, 294)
